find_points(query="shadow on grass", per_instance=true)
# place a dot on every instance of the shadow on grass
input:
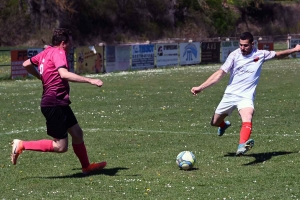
(106, 171)
(260, 157)
(192, 169)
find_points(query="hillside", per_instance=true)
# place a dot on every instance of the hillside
(30, 22)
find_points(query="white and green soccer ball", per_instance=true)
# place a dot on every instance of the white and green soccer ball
(185, 160)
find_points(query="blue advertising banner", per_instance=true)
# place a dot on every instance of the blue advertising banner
(189, 53)
(142, 56)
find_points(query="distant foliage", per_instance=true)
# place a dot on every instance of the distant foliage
(29, 22)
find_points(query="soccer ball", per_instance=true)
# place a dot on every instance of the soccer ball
(185, 160)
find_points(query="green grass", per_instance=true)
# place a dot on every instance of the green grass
(139, 121)
(280, 46)
(5, 68)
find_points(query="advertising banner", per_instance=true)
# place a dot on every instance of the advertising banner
(142, 56)
(89, 59)
(292, 44)
(227, 47)
(122, 58)
(266, 45)
(33, 52)
(189, 53)
(167, 55)
(210, 52)
(110, 58)
(17, 59)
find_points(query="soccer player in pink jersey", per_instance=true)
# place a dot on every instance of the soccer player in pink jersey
(53, 71)
(244, 65)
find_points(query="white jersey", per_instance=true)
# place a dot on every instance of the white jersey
(245, 71)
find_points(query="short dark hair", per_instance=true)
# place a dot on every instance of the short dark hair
(247, 36)
(61, 34)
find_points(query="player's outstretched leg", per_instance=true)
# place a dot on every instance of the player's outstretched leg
(17, 149)
(93, 167)
(221, 130)
(243, 148)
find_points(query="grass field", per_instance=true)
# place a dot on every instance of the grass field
(139, 121)
(5, 64)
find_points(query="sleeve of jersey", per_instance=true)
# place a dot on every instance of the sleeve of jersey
(229, 62)
(35, 59)
(269, 54)
(60, 59)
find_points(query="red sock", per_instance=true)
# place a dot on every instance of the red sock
(81, 153)
(245, 132)
(39, 145)
(222, 124)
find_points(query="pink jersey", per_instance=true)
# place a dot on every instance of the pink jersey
(55, 89)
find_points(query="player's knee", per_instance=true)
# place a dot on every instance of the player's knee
(77, 135)
(61, 149)
(77, 139)
(247, 118)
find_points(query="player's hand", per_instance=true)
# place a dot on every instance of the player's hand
(297, 47)
(196, 90)
(97, 82)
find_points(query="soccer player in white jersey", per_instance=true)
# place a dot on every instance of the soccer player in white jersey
(244, 65)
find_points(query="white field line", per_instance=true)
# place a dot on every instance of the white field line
(23, 131)
(91, 130)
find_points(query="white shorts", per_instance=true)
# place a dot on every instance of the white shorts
(231, 102)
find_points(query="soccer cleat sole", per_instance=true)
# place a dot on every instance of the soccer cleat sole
(248, 146)
(14, 155)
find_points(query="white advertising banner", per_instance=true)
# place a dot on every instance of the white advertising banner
(167, 55)
(227, 47)
(142, 56)
(122, 58)
(110, 58)
(293, 43)
(189, 53)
